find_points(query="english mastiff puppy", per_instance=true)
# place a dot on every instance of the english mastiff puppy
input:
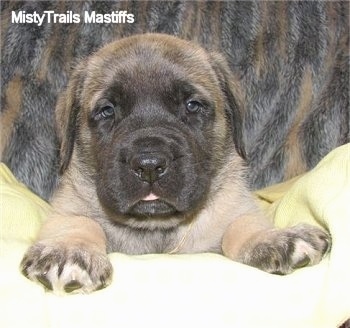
(151, 162)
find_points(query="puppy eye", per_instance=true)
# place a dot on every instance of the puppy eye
(193, 106)
(104, 112)
(107, 111)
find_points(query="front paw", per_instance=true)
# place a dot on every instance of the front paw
(284, 250)
(67, 269)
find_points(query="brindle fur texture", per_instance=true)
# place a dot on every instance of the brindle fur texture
(291, 60)
(149, 164)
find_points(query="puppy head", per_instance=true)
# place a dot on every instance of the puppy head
(150, 118)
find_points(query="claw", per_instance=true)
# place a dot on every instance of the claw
(72, 286)
(302, 263)
(44, 281)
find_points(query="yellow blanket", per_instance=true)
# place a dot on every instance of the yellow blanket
(205, 290)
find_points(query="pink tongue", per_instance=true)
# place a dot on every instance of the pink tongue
(151, 196)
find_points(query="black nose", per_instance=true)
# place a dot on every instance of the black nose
(149, 167)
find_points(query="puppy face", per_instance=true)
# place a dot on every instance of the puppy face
(150, 119)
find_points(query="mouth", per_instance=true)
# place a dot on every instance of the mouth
(152, 206)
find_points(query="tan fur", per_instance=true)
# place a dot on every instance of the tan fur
(229, 203)
(92, 235)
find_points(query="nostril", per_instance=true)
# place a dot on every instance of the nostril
(160, 169)
(139, 172)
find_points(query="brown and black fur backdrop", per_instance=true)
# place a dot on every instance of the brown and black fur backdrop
(291, 59)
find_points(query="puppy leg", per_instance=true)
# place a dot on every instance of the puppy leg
(254, 241)
(69, 255)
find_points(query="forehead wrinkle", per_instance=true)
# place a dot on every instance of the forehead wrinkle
(163, 75)
(152, 71)
(139, 67)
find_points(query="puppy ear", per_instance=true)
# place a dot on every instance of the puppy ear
(234, 104)
(67, 109)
